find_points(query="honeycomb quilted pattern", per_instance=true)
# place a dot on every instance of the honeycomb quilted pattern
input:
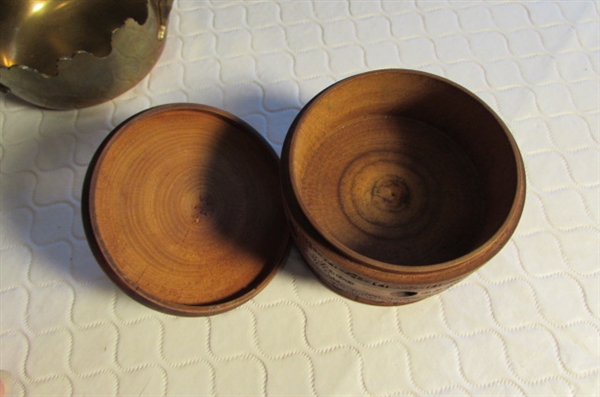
(527, 323)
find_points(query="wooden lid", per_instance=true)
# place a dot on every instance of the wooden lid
(182, 208)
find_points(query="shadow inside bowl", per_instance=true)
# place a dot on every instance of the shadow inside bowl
(418, 172)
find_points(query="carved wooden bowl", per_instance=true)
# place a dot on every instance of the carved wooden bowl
(182, 208)
(399, 184)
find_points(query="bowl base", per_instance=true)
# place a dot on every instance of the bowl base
(402, 192)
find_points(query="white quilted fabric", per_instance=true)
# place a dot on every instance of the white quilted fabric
(527, 323)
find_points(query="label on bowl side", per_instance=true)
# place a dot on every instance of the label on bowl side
(360, 288)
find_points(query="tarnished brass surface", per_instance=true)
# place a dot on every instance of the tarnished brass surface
(65, 54)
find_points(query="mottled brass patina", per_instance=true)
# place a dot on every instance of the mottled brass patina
(65, 54)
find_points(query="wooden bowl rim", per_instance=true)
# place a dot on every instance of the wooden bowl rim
(469, 260)
(100, 253)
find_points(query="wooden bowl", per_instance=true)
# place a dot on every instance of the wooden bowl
(399, 184)
(183, 211)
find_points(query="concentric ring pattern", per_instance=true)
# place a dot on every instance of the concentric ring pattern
(413, 190)
(184, 207)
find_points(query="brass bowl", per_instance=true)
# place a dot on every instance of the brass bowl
(65, 54)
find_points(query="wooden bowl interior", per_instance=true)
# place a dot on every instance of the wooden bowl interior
(403, 168)
(185, 210)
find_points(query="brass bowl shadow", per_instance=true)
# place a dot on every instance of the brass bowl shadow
(398, 184)
(65, 54)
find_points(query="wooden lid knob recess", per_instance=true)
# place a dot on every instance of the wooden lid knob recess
(182, 208)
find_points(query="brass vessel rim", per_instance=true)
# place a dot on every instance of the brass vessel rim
(162, 16)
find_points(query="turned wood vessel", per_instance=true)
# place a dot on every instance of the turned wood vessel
(398, 184)
(182, 208)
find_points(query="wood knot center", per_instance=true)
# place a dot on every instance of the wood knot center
(390, 193)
